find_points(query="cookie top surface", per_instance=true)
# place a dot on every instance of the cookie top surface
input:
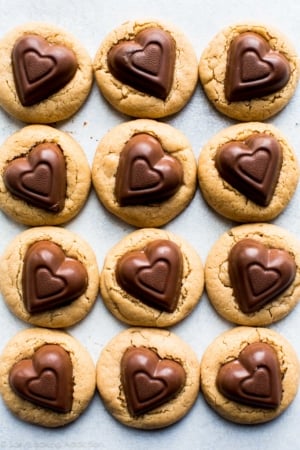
(252, 274)
(144, 172)
(248, 172)
(146, 68)
(148, 378)
(249, 71)
(45, 177)
(249, 375)
(152, 278)
(51, 277)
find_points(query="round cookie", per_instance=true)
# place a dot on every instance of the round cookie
(45, 73)
(249, 71)
(146, 68)
(49, 277)
(248, 172)
(47, 377)
(252, 274)
(44, 176)
(148, 378)
(249, 375)
(151, 278)
(144, 172)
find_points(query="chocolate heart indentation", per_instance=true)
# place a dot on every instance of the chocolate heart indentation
(46, 379)
(149, 381)
(145, 173)
(39, 178)
(254, 69)
(40, 69)
(251, 166)
(51, 279)
(254, 378)
(153, 275)
(259, 274)
(145, 63)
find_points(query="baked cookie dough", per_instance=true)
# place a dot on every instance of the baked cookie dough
(49, 277)
(249, 71)
(46, 377)
(148, 378)
(249, 375)
(151, 278)
(144, 172)
(45, 73)
(146, 68)
(252, 274)
(44, 176)
(248, 172)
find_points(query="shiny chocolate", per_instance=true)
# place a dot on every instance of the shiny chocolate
(50, 279)
(145, 63)
(145, 173)
(149, 381)
(254, 378)
(46, 379)
(259, 274)
(253, 69)
(40, 69)
(251, 166)
(153, 275)
(39, 178)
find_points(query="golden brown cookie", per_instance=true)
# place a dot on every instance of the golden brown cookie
(249, 71)
(49, 277)
(252, 274)
(248, 172)
(44, 176)
(45, 73)
(249, 375)
(152, 278)
(148, 378)
(47, 377)
(146, 68)
(144, 172)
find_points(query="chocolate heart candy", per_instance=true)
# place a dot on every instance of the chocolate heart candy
(145, 63)
(153, 275)
(46, 379)
(253, 69)
(40, 69)
(254, 378)
(258, 274)
(40, 178)
(149, 381)
(252, 167)
(50, 279)
(145, 173)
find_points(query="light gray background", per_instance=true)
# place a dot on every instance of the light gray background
(90, 21)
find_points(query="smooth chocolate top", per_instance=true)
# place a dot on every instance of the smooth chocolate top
(39, 178)
(253, 69)
(145, 63)
(145, 173)
(254, 378)
(149, 381)
(153, 275)
(46, 379)
(50, 279)
(40, 69)
(259, 274)
(251, 166)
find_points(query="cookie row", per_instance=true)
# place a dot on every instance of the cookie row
(152, 277)
(148, 378)
(145, 173)
(145, 69)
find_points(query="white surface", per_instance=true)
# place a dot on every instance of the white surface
(90, 21)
